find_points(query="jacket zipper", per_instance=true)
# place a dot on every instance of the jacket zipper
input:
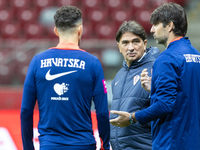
(120, 105)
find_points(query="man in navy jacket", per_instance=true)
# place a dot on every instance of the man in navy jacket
(175, 88)
(128, 95)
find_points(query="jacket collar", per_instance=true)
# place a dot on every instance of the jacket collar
(176, 39)
(67, 46)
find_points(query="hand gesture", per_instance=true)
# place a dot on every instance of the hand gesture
(145, 80)
(122, 120)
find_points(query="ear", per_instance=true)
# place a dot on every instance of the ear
(145, 44)
(80, 30)
(171, 26)
(56, 31)
(119, 47)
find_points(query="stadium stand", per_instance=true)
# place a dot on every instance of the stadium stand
(23, 12)
(33, 20)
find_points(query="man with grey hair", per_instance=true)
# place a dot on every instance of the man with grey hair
(128, 95)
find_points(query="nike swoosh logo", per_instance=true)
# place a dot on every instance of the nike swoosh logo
(116, 82)
(55, 76)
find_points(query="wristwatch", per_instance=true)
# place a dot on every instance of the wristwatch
(131, 120)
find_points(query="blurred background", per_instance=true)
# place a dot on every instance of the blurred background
(26, 29)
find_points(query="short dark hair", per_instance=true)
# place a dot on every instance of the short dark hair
(67, 17)
(171, 12)
(132, 27)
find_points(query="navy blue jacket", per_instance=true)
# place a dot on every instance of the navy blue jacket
(175, 98)
(129, 96)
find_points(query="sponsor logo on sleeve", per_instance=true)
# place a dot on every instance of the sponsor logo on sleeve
(104, 85)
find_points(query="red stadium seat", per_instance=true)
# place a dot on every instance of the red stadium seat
(160, 2)
(40, 4)
(22, 61)
(6, 16)
(27, 16)
(181, 2)
(20, 5)
(88, 32)
(3, 4)
(10, 30)
(119, 16)
(7, 74)
(106, 31)
(92, 4)
(116, 4)
(143, 18)
(50, 32)
(138, 5)
(13, 64)
(22, 73)
(7, 68)
(67, 2)
(34, 30)
(96, 16)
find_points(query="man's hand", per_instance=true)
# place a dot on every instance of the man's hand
(145, 80)
(122, 120)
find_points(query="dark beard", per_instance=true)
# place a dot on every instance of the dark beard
(162, 40)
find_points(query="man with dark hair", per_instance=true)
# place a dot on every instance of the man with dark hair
(175, 86)
(64, 80)
(128, 95)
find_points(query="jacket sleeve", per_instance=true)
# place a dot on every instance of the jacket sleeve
(101, 106)
(27, 107)
(163, 91)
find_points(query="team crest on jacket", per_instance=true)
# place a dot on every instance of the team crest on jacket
(136, 79)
